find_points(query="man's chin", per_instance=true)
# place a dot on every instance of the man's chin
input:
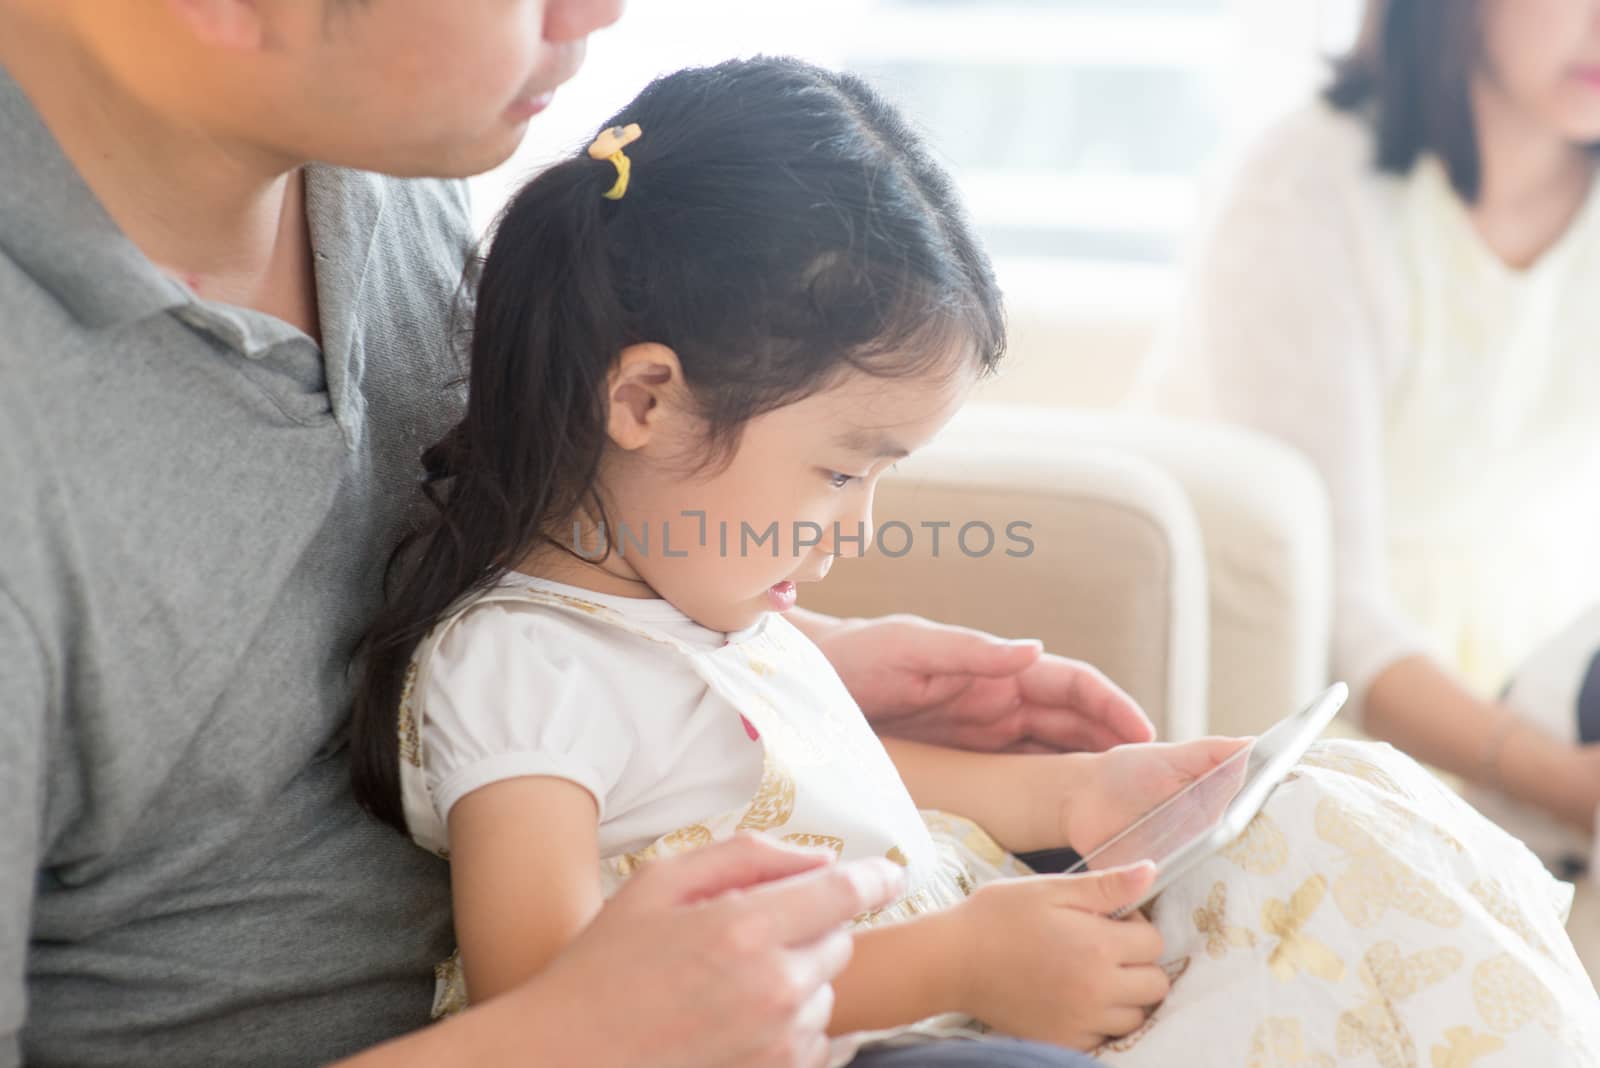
(465, 161)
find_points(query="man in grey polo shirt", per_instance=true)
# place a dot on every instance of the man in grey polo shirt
(218, 365)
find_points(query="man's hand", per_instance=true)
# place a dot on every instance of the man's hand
(719, 958)
(962, 688)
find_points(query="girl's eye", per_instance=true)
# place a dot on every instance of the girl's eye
(838, 481)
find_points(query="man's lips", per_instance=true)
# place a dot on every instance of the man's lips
(541, 89)
(526, 107)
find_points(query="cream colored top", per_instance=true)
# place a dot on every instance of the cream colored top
(1451, 403)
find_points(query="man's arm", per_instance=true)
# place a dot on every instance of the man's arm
(24, 696)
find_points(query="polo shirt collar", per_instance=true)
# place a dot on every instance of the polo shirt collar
(54, 228)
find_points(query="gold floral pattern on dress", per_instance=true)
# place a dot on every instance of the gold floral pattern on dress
(817, 841)
(969, 834)
(1347, 763)
(681, 840)
(1174, 971)
(1280, 1042)
(1376, 879)
(1509, 996)
(760, 667)
(410, 737)
(568, 601)
(1262, 849)
(913, 904)
(449, 987)
(895, 854)
(1464, 1049)
(1375, 1027)
(1507, 913)
(1212, 921)
(1296, 950)
(1406, 822)
(773, 803)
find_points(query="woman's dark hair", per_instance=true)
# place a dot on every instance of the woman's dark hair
(1410, 76)
(782, 224)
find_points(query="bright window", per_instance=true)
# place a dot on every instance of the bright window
(1079, 129)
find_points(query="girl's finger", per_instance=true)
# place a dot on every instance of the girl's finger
(1139, 986)
(1119, 1021)
(1138, 942)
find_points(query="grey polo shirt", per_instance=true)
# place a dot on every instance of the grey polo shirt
(195, 506)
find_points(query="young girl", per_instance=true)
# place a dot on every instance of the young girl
(697, 347)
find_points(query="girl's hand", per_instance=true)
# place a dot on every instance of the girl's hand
(1114, 788)
(1044, 963)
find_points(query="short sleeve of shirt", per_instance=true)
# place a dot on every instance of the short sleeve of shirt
(510, 693)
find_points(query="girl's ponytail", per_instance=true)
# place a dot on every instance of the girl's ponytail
(546, 326)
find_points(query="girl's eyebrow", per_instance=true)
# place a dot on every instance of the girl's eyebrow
(873, 443)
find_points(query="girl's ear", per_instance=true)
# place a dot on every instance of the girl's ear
(641, 392)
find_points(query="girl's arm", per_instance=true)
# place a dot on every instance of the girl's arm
(1017, 798)
(524, 868)
(900, 974)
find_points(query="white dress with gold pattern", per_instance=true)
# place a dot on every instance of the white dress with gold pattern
(826, 780)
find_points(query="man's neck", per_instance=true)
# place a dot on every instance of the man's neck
(222, 217)
(1533, 182)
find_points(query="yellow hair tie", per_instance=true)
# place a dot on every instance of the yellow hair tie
(609, 145)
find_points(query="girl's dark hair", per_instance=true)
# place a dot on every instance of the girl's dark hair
(782, 225)
(1410, 76)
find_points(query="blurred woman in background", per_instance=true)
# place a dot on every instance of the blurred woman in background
(1404, 283)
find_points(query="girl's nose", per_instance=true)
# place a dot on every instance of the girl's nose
(855, 529)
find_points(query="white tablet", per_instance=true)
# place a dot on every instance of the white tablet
(1213, 810)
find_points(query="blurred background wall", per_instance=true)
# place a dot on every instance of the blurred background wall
(1087, 135)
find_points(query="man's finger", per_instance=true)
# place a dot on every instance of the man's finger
(816, 1053)
(738, 864)
(1061, 694)
(946, 650)
(817, 1011)
(810, 906)
(823, 960)
(1063, 730)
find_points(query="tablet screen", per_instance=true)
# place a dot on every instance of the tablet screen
(1196, 811)
(1172, 825)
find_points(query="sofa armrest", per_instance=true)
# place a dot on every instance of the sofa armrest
(1263, 515)
(1114, 573)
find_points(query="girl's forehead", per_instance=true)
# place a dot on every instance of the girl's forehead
(881, 415)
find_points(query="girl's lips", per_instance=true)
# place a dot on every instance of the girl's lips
(1589, 76)
(781, 595)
